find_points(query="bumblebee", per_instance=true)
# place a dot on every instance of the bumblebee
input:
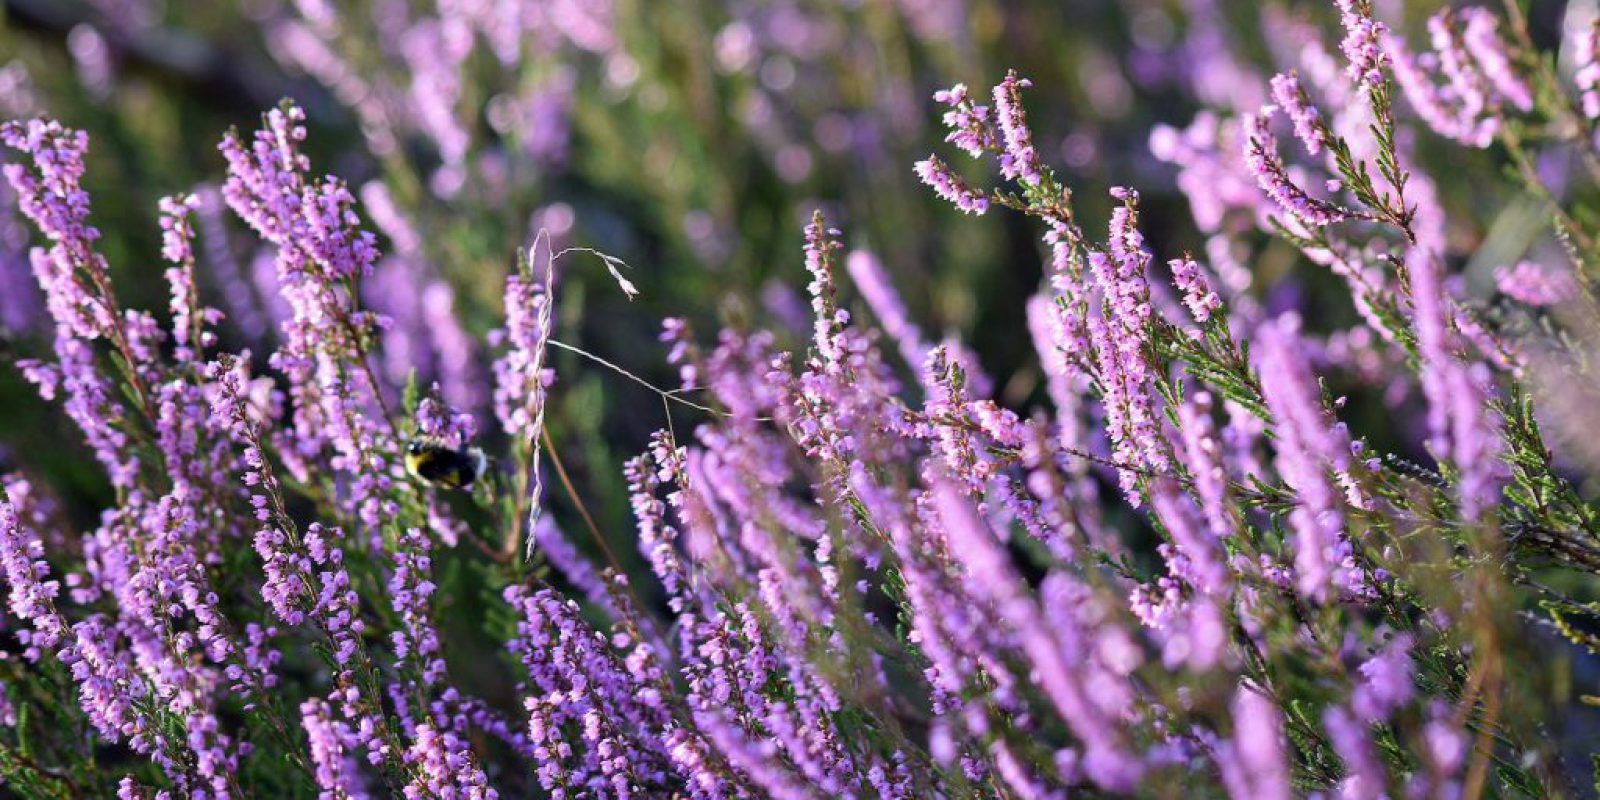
(436, 464)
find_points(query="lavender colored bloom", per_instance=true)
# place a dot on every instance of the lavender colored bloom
(1211, 171)
(31, 593)
(1019, 161)
(1120, 336)
(1386, 682)
(189, 318)
(936, 174)
(1309, 445)
(1202, 452)
(1480, 36)
(333, 747)
(559, 551)
(753, 759)
(828, 320)
(1454, 114)
(1204, 566)
(1291, 97)
(444, 768)
(540, 117)
(590, 717)
(1478, 78)
(76, 284)
(423, 334)
(71, 272)
(521, 377)
(1107, 760)
(1447, 745)
(1197, 295)
(1363, 42)
(1535, 285)
(306, 577)
(1262, 159)
(409, 589)
(1254, 763)
(971, 126)
(870, 279)
(239, 299)
(1463, 428)
(321, 250)
(434, 50)
(1352, 740)
(870, 589)
(111, 689)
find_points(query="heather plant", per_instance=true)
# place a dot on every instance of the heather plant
(1193, 563)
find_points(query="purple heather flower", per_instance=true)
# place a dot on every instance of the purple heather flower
(1477, 74)
(71, 272)
(189, 318)
(444, 768)
(1120, 336)
(76, 285)
(114, 688)
(971, 126)
(1019, 161)
(1254, 763)
(1262, 159)
(591, 717)
(1463, 428)
(452, 427)
(1363, 42)
(434, 50)
(320, 251)
(410, 588)
(333, 747)
(1107, 761)
(1309, 446)
(1535, 285)
(1203, 456)
(1211, 173)
(828, 320)
(1386, 682)
(824, 538)
(423, 334)
(30, 591)
(950, 186)
(1205, 569)
(239, 299)
(522, 379)
(1352, 740)
(1454, 113)
(1480, 36)
(753, 758)
(578, 571)
(1190, 279)
(1447, 744)
(869, 277)
(1308, 125)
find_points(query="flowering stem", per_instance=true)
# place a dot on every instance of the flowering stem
(1571, 124)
